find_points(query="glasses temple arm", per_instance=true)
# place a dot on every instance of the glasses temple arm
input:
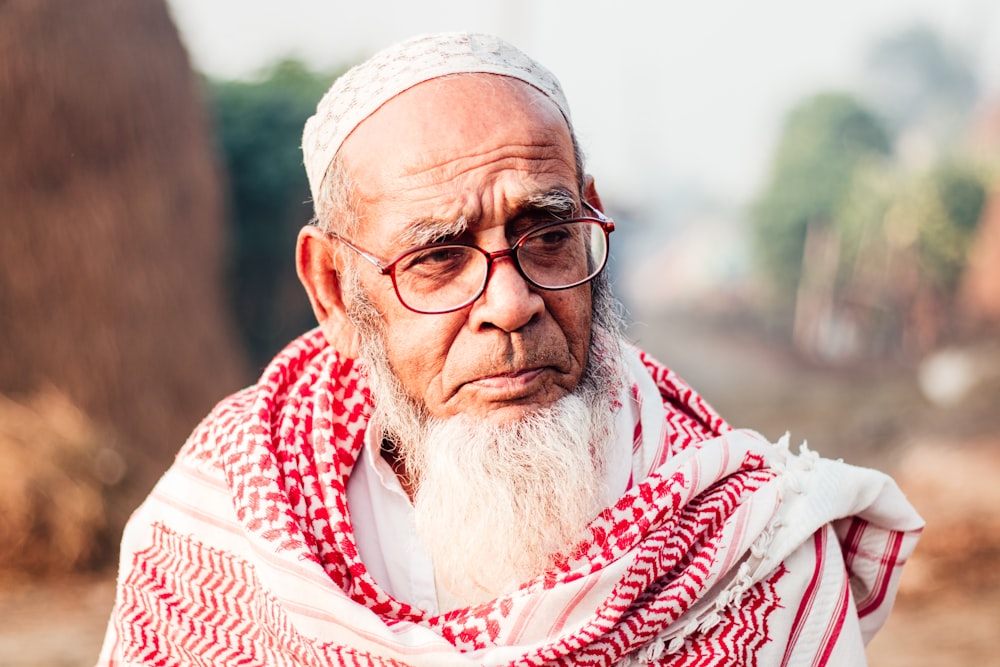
(600, 216)
(375, 261)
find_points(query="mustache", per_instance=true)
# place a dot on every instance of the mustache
(499, 363)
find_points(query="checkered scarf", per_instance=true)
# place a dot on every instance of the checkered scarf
(725, 549)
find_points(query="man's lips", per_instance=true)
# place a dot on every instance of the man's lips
(513, 382)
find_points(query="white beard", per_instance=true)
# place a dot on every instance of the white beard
(494, 503)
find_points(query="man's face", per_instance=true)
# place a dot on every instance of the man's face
(467, 158)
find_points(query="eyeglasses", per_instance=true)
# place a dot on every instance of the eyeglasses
(445, 277)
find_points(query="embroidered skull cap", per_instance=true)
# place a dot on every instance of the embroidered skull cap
(360, 91)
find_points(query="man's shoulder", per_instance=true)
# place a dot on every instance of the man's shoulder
(308, 379)
(219, 427)
(683, 404)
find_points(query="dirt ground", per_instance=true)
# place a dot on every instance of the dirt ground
(945, 457)
(948, 609)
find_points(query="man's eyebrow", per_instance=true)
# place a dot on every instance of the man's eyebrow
(558, 202)
(431, 230)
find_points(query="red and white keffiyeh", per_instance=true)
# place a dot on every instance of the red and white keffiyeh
(725, 550)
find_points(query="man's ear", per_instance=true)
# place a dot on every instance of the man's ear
(316, 265)
(590, 193)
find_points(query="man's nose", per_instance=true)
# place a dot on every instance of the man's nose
(509, 302)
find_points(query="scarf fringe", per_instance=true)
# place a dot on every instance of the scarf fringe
(791, 469)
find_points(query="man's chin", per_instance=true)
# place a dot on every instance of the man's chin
(510, 412)
(497, 409)
(503, 414)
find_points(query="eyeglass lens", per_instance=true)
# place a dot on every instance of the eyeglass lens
(442, 278)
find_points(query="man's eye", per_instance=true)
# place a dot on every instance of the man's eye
(548, 239)
(442, 259)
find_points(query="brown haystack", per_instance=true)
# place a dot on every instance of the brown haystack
(55, 467)
(111, 230)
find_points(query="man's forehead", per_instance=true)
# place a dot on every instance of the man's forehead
(365, 88)
(436, 151)
(442, 115)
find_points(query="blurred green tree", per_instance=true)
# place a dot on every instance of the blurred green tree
(866, 252)
(259, 131)
(905, 239)
(954, 195)
(865, 224)
(826, 139)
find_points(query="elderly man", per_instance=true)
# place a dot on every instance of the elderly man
(465, 464)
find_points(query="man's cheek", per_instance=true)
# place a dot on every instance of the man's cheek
(416, 361)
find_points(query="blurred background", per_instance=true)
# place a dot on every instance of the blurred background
(808, 207)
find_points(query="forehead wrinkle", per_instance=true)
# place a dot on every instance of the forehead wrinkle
(428, 175)
(520, 156)
(557, 201)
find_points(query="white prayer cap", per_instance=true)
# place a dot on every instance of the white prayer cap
(360, 91)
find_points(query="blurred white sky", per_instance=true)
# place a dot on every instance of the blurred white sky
(667, 96)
